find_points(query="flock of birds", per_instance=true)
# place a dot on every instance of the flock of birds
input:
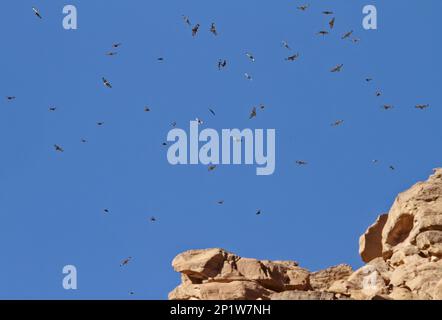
(223, 63)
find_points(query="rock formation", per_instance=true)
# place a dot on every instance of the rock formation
(402, 251)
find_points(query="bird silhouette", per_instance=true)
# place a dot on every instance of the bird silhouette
(37, 12)
(195, 30)
(107, 83)
(338, 68)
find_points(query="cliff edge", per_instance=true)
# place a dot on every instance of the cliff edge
(402, 251)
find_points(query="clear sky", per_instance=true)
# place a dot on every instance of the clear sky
(51, 203)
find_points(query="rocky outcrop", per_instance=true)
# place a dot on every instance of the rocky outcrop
(402, 251)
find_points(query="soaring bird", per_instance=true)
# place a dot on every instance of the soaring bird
(213, 29)
(52, 108)
(100, 124)
(338, 68)
(422, 106)
(212, 112)
(153, 219)
(116, 45)
(250, 56)
(37, 12)
(106, 211)
(199, 121)
(220, 202)
(301, 162)
(248, 76)
(195, 29)
(347, 35)
(58, 148)
(387, 106)
(111, 53)
(323, 33)
(125, 262)
(222, 64)
(368, 79)
(332, 23)
(83, 140)
(187, 20)
(327, 12)
(392, 168)
(378, 93)
(303, 7)
(160, 59)
(337, 123)
(258, 212)
(107, 83)
(10, 98)
(253, 113)
(146, 109)
(212, 167)
(173, 124)
(293, 57)
(286, 45)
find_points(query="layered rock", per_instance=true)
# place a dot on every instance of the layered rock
(402, 251)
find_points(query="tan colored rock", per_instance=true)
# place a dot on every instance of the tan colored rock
(303, 295)
(402, 251)
(322, 280)
(235, 290)
(370, 243)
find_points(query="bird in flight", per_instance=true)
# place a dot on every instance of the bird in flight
(347, 35)
(153, 219)
(37, 12)
(100, 124)
(253, 113)
(327, 12)
(52, 109)
(83, 140)
(212, 167)
(293, 57)
(301, 162)
(146, 109)
(212, 112)
(250, 56)
(258, 212)
(111, 53)
(368, 79)
(378, 93)
(199, 121)
(222, 64)
(10, 98)
(422, 106)
(248, 76)
(323, 33)
(387, 106)
(332, 23)
(187, 20)
(107, 83)
(106, 211)
(392, 168)
(125, 262)
(303, 7)
(195, 29)
(58, 148)
(116, 45)
(220, 202)
(375, 161)
(213, 29)
(338, 68)
(337, 123)
(160, 59)
(286, 45)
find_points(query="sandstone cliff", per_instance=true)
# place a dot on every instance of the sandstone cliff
(402, 251)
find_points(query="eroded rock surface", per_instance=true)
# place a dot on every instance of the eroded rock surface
(402, 251)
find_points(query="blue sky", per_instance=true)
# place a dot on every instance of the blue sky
(51, 204)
